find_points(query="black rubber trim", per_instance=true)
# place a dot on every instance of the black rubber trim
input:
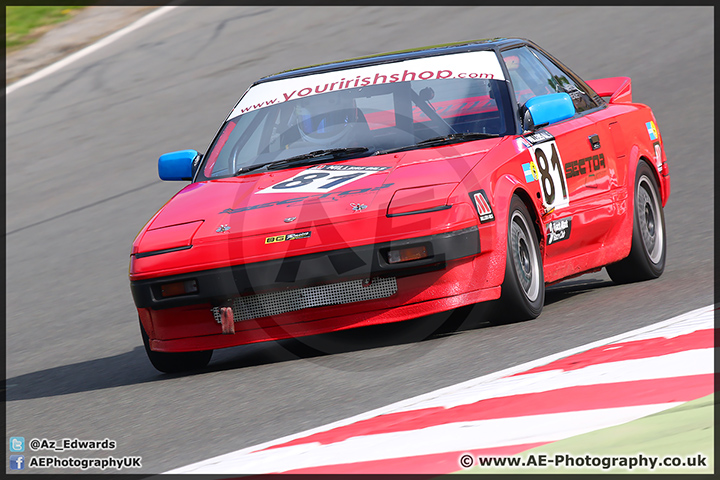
(427, 210)
(160, 252)
(218, 286)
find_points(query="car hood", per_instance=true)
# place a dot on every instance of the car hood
(253, 204)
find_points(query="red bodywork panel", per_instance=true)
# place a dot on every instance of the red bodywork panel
(619, 89)
(271, 217)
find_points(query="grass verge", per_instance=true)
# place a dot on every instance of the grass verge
(24, 25)
(685, 432)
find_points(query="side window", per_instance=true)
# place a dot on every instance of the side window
(580, 98)
(528, 76)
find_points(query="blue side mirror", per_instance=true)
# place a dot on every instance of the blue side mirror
(547, 109)
(177, 165)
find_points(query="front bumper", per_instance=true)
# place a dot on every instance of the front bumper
(219, 286)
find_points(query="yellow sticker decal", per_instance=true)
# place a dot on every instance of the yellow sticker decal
(534, 170)
(284, 238)
(275, 239)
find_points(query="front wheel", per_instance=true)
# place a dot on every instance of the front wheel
(170, 362)
(523, 290)
(647, 253)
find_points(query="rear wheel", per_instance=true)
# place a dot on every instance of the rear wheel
(523, 290)
(647, 253)
(175, 362)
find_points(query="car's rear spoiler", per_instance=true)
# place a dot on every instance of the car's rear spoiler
(619, 89)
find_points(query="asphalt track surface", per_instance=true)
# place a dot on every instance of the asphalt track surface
(82, 149)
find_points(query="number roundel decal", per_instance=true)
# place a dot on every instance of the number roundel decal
(300, 181)
(320, 179)
(552, 176)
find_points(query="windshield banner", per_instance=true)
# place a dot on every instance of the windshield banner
(481, 65)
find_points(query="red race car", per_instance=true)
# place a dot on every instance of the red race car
(395, 186)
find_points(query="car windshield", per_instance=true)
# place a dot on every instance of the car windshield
(364, 111)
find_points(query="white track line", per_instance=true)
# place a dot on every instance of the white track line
(89, 49)
(685, 323)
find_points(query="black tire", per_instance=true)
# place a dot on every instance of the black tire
(175, 362)
(647, 253)
(523, 290)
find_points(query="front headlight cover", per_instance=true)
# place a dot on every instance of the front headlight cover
(425, 199)
(166, 239)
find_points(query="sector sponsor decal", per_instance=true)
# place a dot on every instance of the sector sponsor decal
(584, 166)
(652, 130)
(558, 230)
(539, 137)
(288, 237)
(531, 172)
(332, 196)
(482, 205)
(479, 65)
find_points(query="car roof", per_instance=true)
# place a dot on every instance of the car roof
(466, 46)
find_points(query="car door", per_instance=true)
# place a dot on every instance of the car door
(573, 160)
(587, 104)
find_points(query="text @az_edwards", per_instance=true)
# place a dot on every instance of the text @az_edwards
(71, 444)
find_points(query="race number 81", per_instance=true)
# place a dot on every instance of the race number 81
(313, 180)
(552, 176)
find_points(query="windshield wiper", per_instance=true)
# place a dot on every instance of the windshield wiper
(441, 140)
(335, 153)
(455, 138)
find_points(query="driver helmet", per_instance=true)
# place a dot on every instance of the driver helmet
(326, 118)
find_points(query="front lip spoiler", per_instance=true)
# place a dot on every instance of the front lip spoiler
(218, 286)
